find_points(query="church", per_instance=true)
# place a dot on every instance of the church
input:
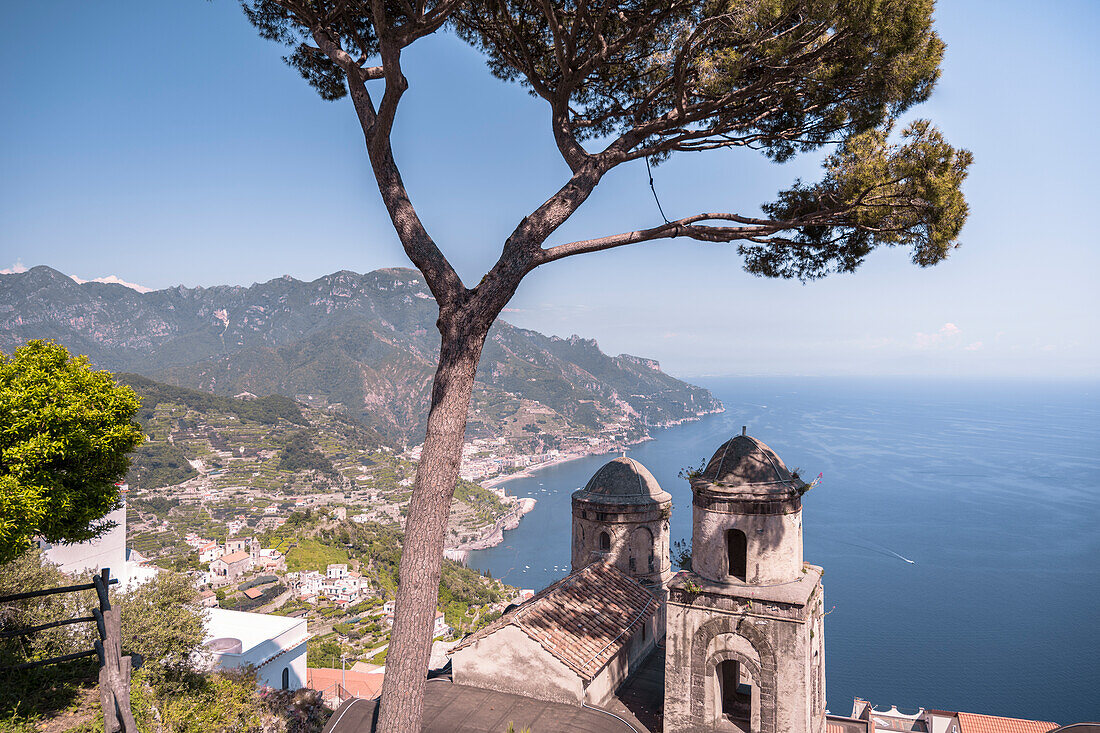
(624, 643)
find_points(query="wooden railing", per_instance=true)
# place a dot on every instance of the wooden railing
(114, 668)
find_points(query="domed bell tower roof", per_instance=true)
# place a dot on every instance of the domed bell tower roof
(746, 470)
(623, 481)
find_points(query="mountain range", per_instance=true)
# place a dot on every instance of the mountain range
(362, 345)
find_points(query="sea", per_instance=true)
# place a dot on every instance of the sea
(958, 523)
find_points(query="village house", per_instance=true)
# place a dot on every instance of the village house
(270, 560)
(440, 628)
(209, 552)
(228, 568)
(238, 544)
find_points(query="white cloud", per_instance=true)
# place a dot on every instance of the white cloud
(112, 280)
(15, 269)
(974, 346)
(947, 336)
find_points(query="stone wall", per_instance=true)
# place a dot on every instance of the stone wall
(772, 640)
(510, 661)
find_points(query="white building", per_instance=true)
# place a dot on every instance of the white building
(209, 552)
(108, 551)
(270, 559)
(308, 582)
(274, 645)
(441, 628)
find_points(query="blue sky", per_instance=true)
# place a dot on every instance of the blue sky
(165, 143)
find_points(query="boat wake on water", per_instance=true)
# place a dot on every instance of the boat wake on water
(876, 548)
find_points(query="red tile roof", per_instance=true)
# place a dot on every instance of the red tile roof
(976, 723)
(584, 619)
(234, 557)
(361, 684)
(253, 593)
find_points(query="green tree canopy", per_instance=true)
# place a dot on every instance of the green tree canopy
(160, 623)
(65, 432)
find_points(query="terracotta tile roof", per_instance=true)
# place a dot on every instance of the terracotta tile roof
(360, 684)
(976, 723)
(253, 593)
(235, 557)
(584, 619)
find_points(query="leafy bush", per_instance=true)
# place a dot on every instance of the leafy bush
(224, 702)
(27, 573)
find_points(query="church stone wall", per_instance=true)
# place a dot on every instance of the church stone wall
(774, 542)
(622, 525)
(775, 651)
(604, 685)
(509, 661)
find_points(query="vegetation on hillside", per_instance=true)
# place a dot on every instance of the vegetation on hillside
(299, 455)
(159, 464)
(308, 554)
(267, 410)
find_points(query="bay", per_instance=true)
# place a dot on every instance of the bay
(990, 488)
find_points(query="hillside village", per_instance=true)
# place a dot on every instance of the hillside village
(265, 519)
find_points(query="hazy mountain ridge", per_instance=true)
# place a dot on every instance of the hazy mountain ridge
(365, 343)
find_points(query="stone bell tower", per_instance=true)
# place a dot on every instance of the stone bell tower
(745, 647)
(622, 515)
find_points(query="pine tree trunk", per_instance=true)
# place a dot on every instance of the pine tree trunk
(425, 529)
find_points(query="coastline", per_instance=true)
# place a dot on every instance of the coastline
(530, 470)
(494, 535)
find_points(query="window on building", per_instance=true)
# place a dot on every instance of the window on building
(736, 693)
(605, 542)
(286, 678)
(737, 546)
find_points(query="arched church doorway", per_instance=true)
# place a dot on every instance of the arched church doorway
(735, 694)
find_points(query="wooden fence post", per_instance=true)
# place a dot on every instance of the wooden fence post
(114, 668)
